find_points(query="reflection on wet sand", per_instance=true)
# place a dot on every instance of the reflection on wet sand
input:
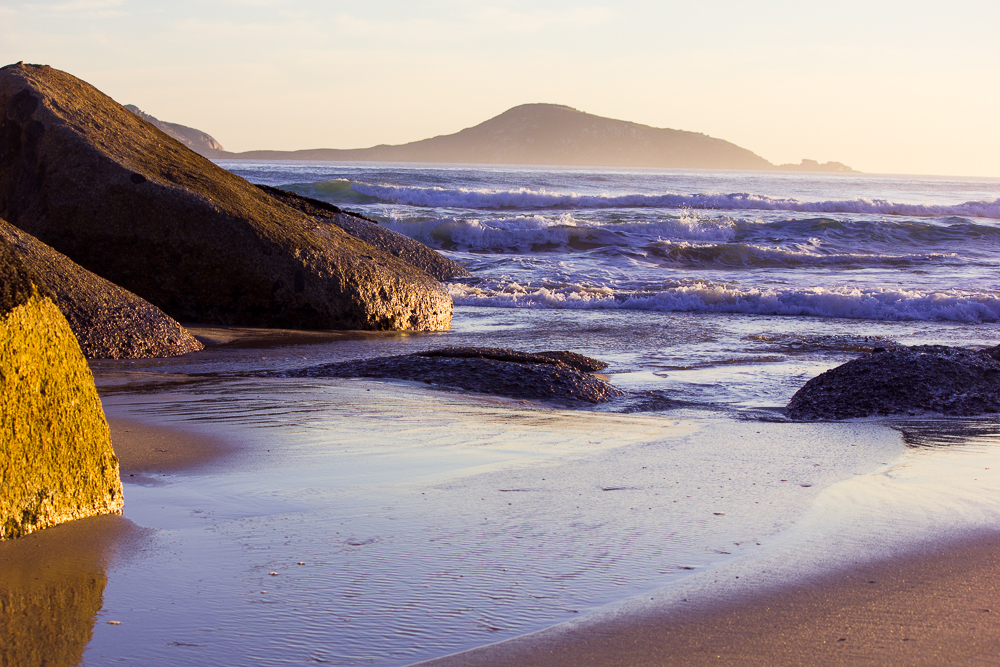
(51, 589)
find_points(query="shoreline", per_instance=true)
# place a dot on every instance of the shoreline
(933, 607)
(727, 628)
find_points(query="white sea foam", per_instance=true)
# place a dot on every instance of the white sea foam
(525, 198)
(527, 231)
(732, 255)
(704, 296)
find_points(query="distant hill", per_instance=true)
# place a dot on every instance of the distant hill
(532, 134)
(554, 135)
(198, 141)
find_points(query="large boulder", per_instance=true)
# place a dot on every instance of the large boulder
(121, 198)
(56, 460)
(109, 322)
(409, 250)
(904, 381)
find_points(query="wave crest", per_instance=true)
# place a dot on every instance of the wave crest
(525, 198)
(703, 296)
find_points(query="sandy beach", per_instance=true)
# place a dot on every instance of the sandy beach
(147, 449)
(292, 517)
(360, 521)
(623, 383)
(935, 608)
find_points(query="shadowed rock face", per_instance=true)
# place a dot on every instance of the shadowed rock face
(119, 197)
(904, 380)
(412, 252)
(544, 376)
(56, 460)
(108, 321)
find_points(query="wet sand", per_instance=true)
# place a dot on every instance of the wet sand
(936, 608)
(925, 609)
(52, 584)
(145, 449)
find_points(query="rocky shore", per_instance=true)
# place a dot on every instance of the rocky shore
(554, 375)
(904, 381)
(412, 252)
(116, 195)
(56, 459)
(109, 322)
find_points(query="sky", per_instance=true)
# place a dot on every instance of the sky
(883, 86)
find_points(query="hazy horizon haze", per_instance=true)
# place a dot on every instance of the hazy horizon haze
(884, 87)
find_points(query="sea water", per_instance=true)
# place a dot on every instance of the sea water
(427, 522)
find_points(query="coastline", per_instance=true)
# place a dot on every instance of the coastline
(926, 606)
(936, 607)
(406, 523)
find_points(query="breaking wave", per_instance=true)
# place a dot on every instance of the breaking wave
(735, 255)
(703, 296)
(718, 241)
(526, 199)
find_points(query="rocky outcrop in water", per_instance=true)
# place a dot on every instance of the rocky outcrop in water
(813, 165)
(904, 381)
(108, 321)
(122, 199)
(410, 251)
(560, 376)
(56, 460)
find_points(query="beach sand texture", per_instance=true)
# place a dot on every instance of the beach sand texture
(932, 605)
(935, 608)
(430, 522)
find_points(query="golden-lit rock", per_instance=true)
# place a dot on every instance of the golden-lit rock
(56, 459)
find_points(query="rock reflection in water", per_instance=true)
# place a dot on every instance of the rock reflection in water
(51, 589)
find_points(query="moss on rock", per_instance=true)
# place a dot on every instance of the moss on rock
(56, 459)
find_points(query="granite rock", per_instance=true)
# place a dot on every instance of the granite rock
(122, 199)
(109, 322)
(359, 226)
(511, 373)
(56, 459)
(904, 381)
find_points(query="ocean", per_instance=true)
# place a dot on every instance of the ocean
(822, 263)
(381, 523)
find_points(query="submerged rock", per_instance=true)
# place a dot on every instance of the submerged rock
(109, 322)
(544, 375)
(410, 251)
(122, 199)
(56, 460)
(904, 380)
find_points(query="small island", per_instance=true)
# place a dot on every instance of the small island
(531, 134)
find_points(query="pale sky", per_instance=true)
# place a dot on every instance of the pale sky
(883, 86)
